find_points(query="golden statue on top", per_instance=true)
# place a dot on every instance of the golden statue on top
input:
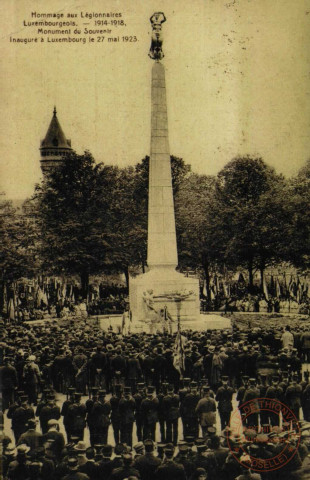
(157, 19)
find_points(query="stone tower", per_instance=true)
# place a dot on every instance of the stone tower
(54, 146)
(162, 296)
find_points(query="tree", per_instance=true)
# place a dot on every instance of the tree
(73, 210)
(197, 244)
(128, 223)
(298, 242)
(251, 207)
(17, 238)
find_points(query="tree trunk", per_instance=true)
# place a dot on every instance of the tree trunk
(126, 273)
(84, 283)
(251, 277)
(207, 275)
(262, 269)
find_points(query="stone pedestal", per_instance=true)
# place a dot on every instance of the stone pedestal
(159, 289)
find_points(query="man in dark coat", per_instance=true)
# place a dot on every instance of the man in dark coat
(115, 415)
(8, 382)
(32, 378)
(147, 464)
(126, 471)
(171, 408)
(189, 405)
(77, 417)
(134, 371)
(55, 437)
(138, 397)
(149, 412)
(170, 469)
(224, 398)
(252, 393)
(48, 412)
(100, 416)
(293, 396)
(31, 437)
(20, 418)
(119, 365)
(274, 392)
(98, 367)
(64, 412)
(127, 407)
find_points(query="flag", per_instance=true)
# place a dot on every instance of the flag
(212, 296)
(265, 289)
(204, 290)
(226, 290)
(11, 309)
(299, 293)
(5, 300)
(44, 297)
(178, 353)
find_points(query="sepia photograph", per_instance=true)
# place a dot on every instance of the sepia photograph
(154, 240)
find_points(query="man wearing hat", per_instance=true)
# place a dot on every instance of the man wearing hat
(293, 396)
(8, 456)
(161, 392)
(91, 418)
(90, 401)
(274, 392)
(53, 434)
(189, 405)
(64, 412)
(184, 459)
(19, 468)
(224, 398)
(43, 401)
(171, 409)
(139, 450)
(31, 437)
(205, 410)
(48, 412)
(126, 471)
(147, 464)
(240, 394)
(134, 371)
(138, 397)
(127, 407)
(115, 414)
(20, 417)
(100, 415)
(77, 417)
(31, 378)
(252, 394)
(8, 382)
(74, 473)
(90, 467)
(170, 469)
(105, 465)
(149, 412)
(182, 392)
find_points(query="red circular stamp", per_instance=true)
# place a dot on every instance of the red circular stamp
(257, 445)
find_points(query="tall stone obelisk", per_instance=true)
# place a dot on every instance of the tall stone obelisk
(162, 294)
(162, 245)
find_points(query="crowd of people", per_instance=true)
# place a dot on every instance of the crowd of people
(82, 403)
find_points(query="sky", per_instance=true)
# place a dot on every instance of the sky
(237, 78)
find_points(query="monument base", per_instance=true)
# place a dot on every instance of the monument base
(162, 296)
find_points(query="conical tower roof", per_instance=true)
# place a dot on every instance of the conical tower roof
(55, 137)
